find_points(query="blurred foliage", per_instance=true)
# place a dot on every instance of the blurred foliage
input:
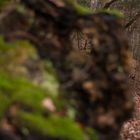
(21, 92)
(26, 81)
(54, 126)
(30, 97)
(84, 2)
(4, 3)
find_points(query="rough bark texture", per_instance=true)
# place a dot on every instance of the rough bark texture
(131, 129)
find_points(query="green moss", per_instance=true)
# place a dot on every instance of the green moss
(53, 126)
(3, 45)
(85, 11)
(51, 82)
(22, 91)
(16, 88)
(4, 2)
(17, 48)
(113, 12)
(91, 134)
(30, 97)
(78, 8)
(14, 55)
(16, 85)
(4, 104)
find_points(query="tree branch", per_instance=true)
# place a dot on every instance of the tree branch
(131, 21)
(108, 4)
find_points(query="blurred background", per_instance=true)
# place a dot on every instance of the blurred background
(32, 106)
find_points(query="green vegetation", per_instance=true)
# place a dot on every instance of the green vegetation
(112, 12)
(35, 77)
(17, 89)
(53, 126)
(78, 8)
(30, 97)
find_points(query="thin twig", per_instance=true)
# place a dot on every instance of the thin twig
(131, 21)
(108, 4)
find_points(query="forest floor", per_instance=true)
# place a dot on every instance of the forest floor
(131, 129)
(134, 83)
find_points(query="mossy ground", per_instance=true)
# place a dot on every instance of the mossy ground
(17, 89)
